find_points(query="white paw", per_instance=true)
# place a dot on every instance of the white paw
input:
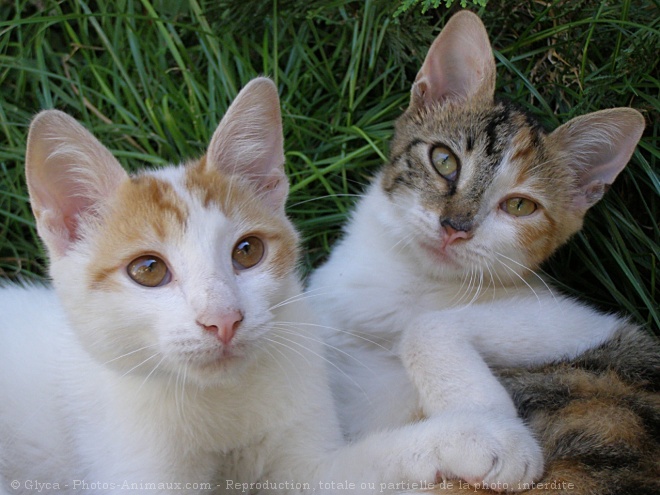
(484, 449)
(499, 453)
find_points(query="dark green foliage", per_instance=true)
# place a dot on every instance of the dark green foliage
(152, 78)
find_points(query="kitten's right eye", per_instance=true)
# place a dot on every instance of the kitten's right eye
(519, 207)
(248, 252)
(149, 271)
(445, 162)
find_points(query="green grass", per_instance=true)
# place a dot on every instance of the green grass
(152, 78)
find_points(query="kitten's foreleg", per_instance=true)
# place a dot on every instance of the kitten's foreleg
(448, 371)
(454, 445)
(447, 353)
(451, 377)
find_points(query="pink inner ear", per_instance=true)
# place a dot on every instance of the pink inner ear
(589, 195)
(459, 64)
(599, 145)
(68, 171)
(249, 141)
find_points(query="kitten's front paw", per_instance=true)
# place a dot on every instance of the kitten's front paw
(498, 453)
(492, 451)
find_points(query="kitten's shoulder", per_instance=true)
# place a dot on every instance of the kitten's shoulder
(12, 291)
(28, 304)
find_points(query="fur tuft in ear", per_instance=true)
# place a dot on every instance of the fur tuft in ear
(249, 142)
(459, 65)
(599, 145)
(69, 173)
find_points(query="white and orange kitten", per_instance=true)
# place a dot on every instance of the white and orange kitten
(175, 351)
(434, 283)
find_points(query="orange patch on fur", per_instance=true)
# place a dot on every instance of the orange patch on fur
(542, 172)
(523, 144)
(144, 213)
(603, 420)
(584, 383)
(566, 477)
(239, 199)
(148, 212)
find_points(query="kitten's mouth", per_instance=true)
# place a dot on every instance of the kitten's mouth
(440, 252)
(217, 358)
(229, 353)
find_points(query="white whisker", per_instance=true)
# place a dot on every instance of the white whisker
(130, 353)
(287, 347)
(358, 335)
(151, 373)
(320, 356)
(140, 364)
(327, 196)
(285, 371)
(296, 298)
(533, 272)
(326, 344)
(521, 278)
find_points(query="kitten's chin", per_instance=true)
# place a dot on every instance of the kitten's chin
(223, 368)
(443, 262)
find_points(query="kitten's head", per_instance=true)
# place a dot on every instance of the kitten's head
(173, 271)
(476, 184)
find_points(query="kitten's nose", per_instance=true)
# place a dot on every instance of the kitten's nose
(223, 325)
(452, 233)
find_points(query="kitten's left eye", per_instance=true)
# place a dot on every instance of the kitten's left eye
(519, 207)
(149, 271)
(248, 252)
(444, 162)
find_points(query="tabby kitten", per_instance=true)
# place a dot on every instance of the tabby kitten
(433, 284)
(175, 353)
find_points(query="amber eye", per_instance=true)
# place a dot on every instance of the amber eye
(248, 252)
(519, 207)
(149, 270)
(444, 162)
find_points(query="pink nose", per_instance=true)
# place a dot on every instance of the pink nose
(452, 235)
(223, 325)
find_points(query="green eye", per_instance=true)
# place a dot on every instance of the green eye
(248, 252)
(519, 207)
(149, 271)
(444, 162)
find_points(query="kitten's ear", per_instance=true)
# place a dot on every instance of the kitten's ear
(249, 141)
(69, 173)
(600, 145)
(459, 65)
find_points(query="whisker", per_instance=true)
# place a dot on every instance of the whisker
(140, 364)
(327, 196)
(183, 386)
(533, 272)
(151, 373)
(287, 347)
(130, 353)
(479, 284)
(298, 297)
(277, 361)
(323, 342)
(401, 244)
(521, 278)
(502, 284)
(492, 274)
(358, 335)
(320, 356)
(465, 289)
